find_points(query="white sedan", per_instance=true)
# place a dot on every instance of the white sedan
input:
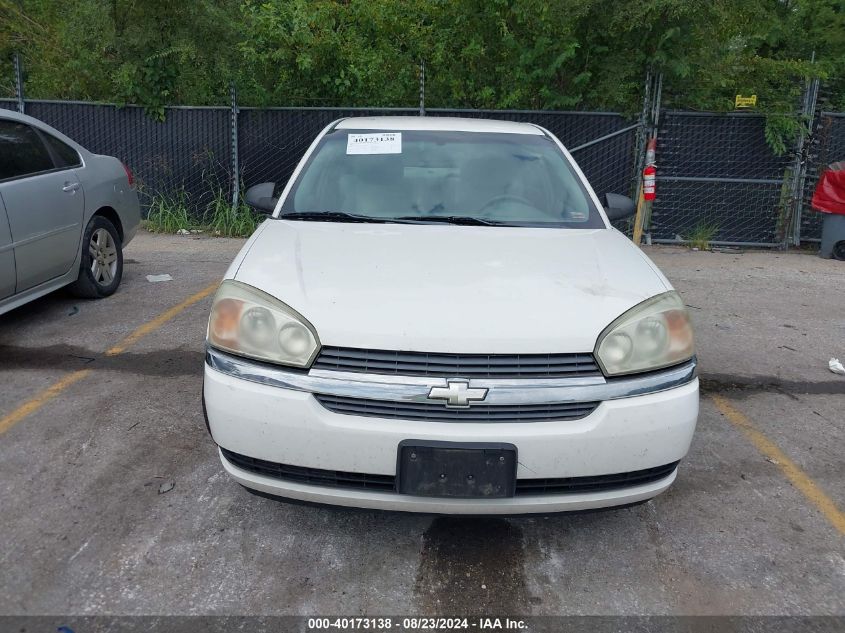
(438, 317)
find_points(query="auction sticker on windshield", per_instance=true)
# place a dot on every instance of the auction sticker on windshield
(381, 143)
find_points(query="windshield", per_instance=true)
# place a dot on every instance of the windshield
(437, 176)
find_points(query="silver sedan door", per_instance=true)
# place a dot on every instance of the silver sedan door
(7, 256)
(44, 203)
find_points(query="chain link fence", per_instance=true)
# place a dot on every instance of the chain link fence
(717, 177)
(186, 159)
(718, 181)
(189, 158)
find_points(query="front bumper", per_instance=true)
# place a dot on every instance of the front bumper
(271, 414)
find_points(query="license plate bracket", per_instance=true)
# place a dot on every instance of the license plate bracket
(480, 470)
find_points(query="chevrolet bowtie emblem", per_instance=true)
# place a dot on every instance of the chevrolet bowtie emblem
(457, 394)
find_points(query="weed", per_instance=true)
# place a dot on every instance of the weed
(701, 236)
(168, 213)
(226, 221)
(171, 212)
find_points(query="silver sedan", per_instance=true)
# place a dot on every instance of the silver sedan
(65, 214)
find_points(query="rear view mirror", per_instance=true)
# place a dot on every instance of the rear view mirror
(260, 197)
(618, 207)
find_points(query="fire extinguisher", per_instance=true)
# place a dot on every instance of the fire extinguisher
(650, 173)
(649, 182)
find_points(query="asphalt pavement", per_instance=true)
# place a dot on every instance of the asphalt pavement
(114, 501)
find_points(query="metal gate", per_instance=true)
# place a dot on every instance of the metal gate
(716, 175)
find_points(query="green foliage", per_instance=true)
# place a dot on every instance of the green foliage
(225, 221)
(171, 213)
(781, 131)
(701, 235)
(152, 53)
(152, 83)
(582, 54)
(7, 78)
(168, 212)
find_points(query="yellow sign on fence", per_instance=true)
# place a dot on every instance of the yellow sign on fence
(745, 102)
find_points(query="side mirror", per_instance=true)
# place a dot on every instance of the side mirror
(260, 197)
(618, 207)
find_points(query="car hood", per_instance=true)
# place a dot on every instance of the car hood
(446, 288)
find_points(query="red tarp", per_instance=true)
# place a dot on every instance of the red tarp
(829, 196)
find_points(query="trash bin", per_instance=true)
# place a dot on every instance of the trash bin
(829, 198)
(833, 237)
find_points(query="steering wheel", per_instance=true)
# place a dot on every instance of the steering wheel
(503, 198)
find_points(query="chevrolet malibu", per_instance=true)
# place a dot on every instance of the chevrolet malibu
(439, 317)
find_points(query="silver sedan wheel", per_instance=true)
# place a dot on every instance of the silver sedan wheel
(103, 252)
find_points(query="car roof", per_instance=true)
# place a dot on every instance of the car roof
(437, 123)
(14, 115)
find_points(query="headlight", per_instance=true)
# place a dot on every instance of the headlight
(651, 335)
(248, 322)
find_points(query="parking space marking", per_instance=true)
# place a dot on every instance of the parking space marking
(33, 404)
(160, 320)
(39, 400)
(790, 469)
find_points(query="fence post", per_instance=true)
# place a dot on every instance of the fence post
(649, 120)
(642, 136)
(19, 83)
(236, 176)
(799, 170)
(422, 87)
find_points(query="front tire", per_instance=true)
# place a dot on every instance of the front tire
(101, 268)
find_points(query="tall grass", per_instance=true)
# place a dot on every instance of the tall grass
(169, 213)
(172, 212)
(226, 221)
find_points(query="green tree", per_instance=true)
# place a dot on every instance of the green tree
(580, 54)
(152, 53)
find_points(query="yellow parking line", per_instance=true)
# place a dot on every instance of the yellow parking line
(43, 397)
(793, 472)
(160, 320)
(33, 404)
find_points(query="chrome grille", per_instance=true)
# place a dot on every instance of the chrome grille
(440, 413)
(457, 365)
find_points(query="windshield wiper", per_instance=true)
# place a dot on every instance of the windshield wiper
(451, 219)
(328, 216)
(341, 216)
